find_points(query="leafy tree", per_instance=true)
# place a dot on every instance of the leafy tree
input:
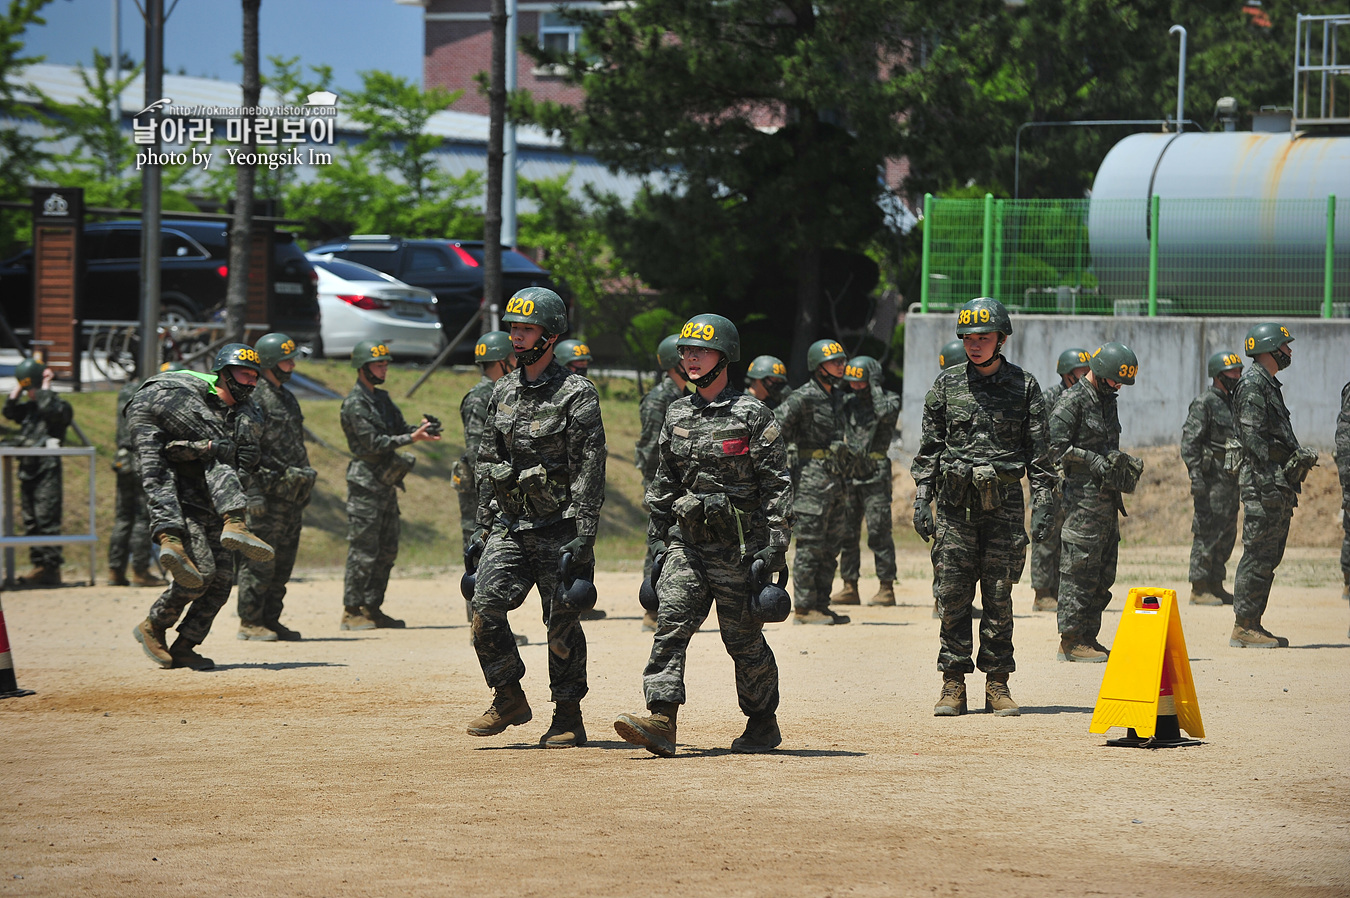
(19, 150)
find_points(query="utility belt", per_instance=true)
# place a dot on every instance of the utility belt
(392, 469)
(975, 486)
(712, 518)
(533, 492)
(293, 484)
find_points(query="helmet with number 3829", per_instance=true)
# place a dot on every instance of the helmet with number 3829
(1115, 361)
(712, 332)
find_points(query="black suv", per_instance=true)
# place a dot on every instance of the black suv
(452, 269)
(194, 256)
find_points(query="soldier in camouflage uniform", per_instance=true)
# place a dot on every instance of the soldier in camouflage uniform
(1071, 366)
(767, 381)
(983, 430)
(1270, 478)
(375, 432)
(721, 499)
(278, 494)
(197, 436)
(1343, 470)
(1214, 488)
(652, 414)
(130, 537)
(575, 356)
(812, 419)
(1085, 444)
(541, 482)
(952, 355)
(43, 421)
(495, 357)
(869, 420)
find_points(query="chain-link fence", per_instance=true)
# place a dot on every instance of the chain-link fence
(1135, 257)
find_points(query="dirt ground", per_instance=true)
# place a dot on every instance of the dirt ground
(339, 766)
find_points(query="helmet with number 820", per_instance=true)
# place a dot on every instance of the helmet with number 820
(983, 315)
(1115, 361)
(537, 305)
(494, 346)
(1266, 337)
(1223, 361)
(822, 351)
(712, 332)
(1071, 359)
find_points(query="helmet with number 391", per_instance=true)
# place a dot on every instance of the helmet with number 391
(1115, 361)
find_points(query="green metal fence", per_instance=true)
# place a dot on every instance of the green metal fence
(1139, 257)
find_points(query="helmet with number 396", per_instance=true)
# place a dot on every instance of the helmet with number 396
(1115, 361)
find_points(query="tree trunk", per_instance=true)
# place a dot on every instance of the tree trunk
(492, 207)
(808, 311)
(241, 232)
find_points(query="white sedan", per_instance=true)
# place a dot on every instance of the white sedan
(359, 303)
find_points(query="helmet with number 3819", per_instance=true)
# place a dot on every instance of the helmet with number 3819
(983, 315)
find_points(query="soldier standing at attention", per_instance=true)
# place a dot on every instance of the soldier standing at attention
(1072, 365)
(1085, 443)
(1271, 477)
(195, 436)
(983, 430)
(375, 432)
(767, 378)
(130, 538)
(541, 482)
(952, 355)
(278, 495)
(869, 417)
(812, 419)
(1343, 470)
(721, 499)
(1214, 488)
(42, 420)
(652, 414)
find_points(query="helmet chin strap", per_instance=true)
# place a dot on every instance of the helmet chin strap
(240, 392)
(370, 375)
(993, 358)
(281, 376)
(706, 380)
(1282, 359)
(534, 353)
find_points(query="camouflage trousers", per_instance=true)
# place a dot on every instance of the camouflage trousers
(161, 491)
(262, 584)
(1089, 550)
(1264, 533)
(819, 504)
(693, 580)
(372, 545)
(512, 562)
(1345, 545)
(985, 547)
(1045, 557)
(468, 510)
(130, 537)
(201, 538)
(870, 500)
(1215, 531)
(40, 493)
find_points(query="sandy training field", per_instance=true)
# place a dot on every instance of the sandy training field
(339, 765)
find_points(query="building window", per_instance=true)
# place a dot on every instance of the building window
(557, 34)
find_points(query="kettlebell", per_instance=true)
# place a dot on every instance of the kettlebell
(469, 581)
(769, 602)
(573, 593)
(647, 591)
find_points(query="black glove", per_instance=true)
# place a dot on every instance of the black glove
(256, 505)
(178, 451)
(1042, 522)
(1098, 465)
(224, 450)
(924, 525)
(247, 455)
(774, 558)
(582, 550)
(434, 426)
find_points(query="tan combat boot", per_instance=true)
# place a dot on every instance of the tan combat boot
(997, 698)
(649, 622)
(151, 637)
(1202, 593)
(1044, 601)
(656, 732)
(885, 594)
(566, 730)
(508, 709)
(236, 537)
(761, 735)
(1251, 635)
(117, 576)
(1081, 652)
(952, 702)
(257, 633)
(143, 577)
(356, 619)
(173, 555)
(42, 575)
(848, 595)
(812, 617)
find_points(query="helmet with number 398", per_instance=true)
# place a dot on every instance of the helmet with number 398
(1115, 361)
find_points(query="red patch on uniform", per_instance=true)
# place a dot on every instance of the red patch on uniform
(735, 447)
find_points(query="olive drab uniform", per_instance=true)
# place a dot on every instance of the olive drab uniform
(130, 537)
(981, 435)
(721, 493)
(869, 424)
(375, 432)
(812, 420)
(541, 482)
(285, 480)
(1204, 449)
(473, 415)
(41, 420)
(1085, 420)
(1045, 552)
(190, 496)
(1343, 471)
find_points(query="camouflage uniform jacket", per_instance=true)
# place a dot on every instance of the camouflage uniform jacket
(39, 420)
(1342, 454)
(1209, 425)
(124, 461)
(554, 422)
(729, 445)
(869, 425)
(652, 413)
(1051, 395)
(1261, 422)
(375, 431)
(997, 420)
(186, 407)
(473, 415)
(1085, 420)
(812, 419)
(283, 438)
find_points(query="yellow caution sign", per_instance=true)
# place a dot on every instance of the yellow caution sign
(1148, 685)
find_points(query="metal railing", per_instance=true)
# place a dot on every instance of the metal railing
(9, 541)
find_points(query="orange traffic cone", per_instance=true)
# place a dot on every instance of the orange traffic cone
(9, 687)
(1168, 732)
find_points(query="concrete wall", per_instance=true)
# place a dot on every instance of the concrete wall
(1172, 354)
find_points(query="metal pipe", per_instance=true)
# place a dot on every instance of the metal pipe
(926, 254)
(1329, 268)
(1181, 76)
(150, 191)
(509, 134)
(115, 108)
(1153, 256)
(987, 248)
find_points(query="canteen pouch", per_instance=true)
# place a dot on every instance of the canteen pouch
(396, 468)
(956, 476)
(1128, 470)
(689, 512)
(721, 517)
(540, 493)
(298, 483)
(1232, 455)
(985, 481)
(510, 500)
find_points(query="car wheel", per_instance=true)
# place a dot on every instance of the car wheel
(173, 313)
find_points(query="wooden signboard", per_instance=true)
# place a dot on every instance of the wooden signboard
(58, 277)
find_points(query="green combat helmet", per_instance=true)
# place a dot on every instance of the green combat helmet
(494, 346)
(668, 354)
(537, 305)
(29, 373)
(860, 368)
(368, 351)
(1115, 361)
(822, 351)
(767, 367)
(273, 349)
(953, 354)
(572, 351)
(236, 355)
(1266, 337)
(1223, 361)
(1070, 359)
(983, 315)
(714, 332)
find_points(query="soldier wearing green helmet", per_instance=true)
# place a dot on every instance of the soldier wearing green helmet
(953, 354)
(767, 378)
(1214, 488)
(812, 419)
(1085, 443)
(43, 420)
(1071, 366)
(983, 431)
(279, 491)
(376, 431)
(575, 355)
(651, 415)
(541, 483)
(1272, 468)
